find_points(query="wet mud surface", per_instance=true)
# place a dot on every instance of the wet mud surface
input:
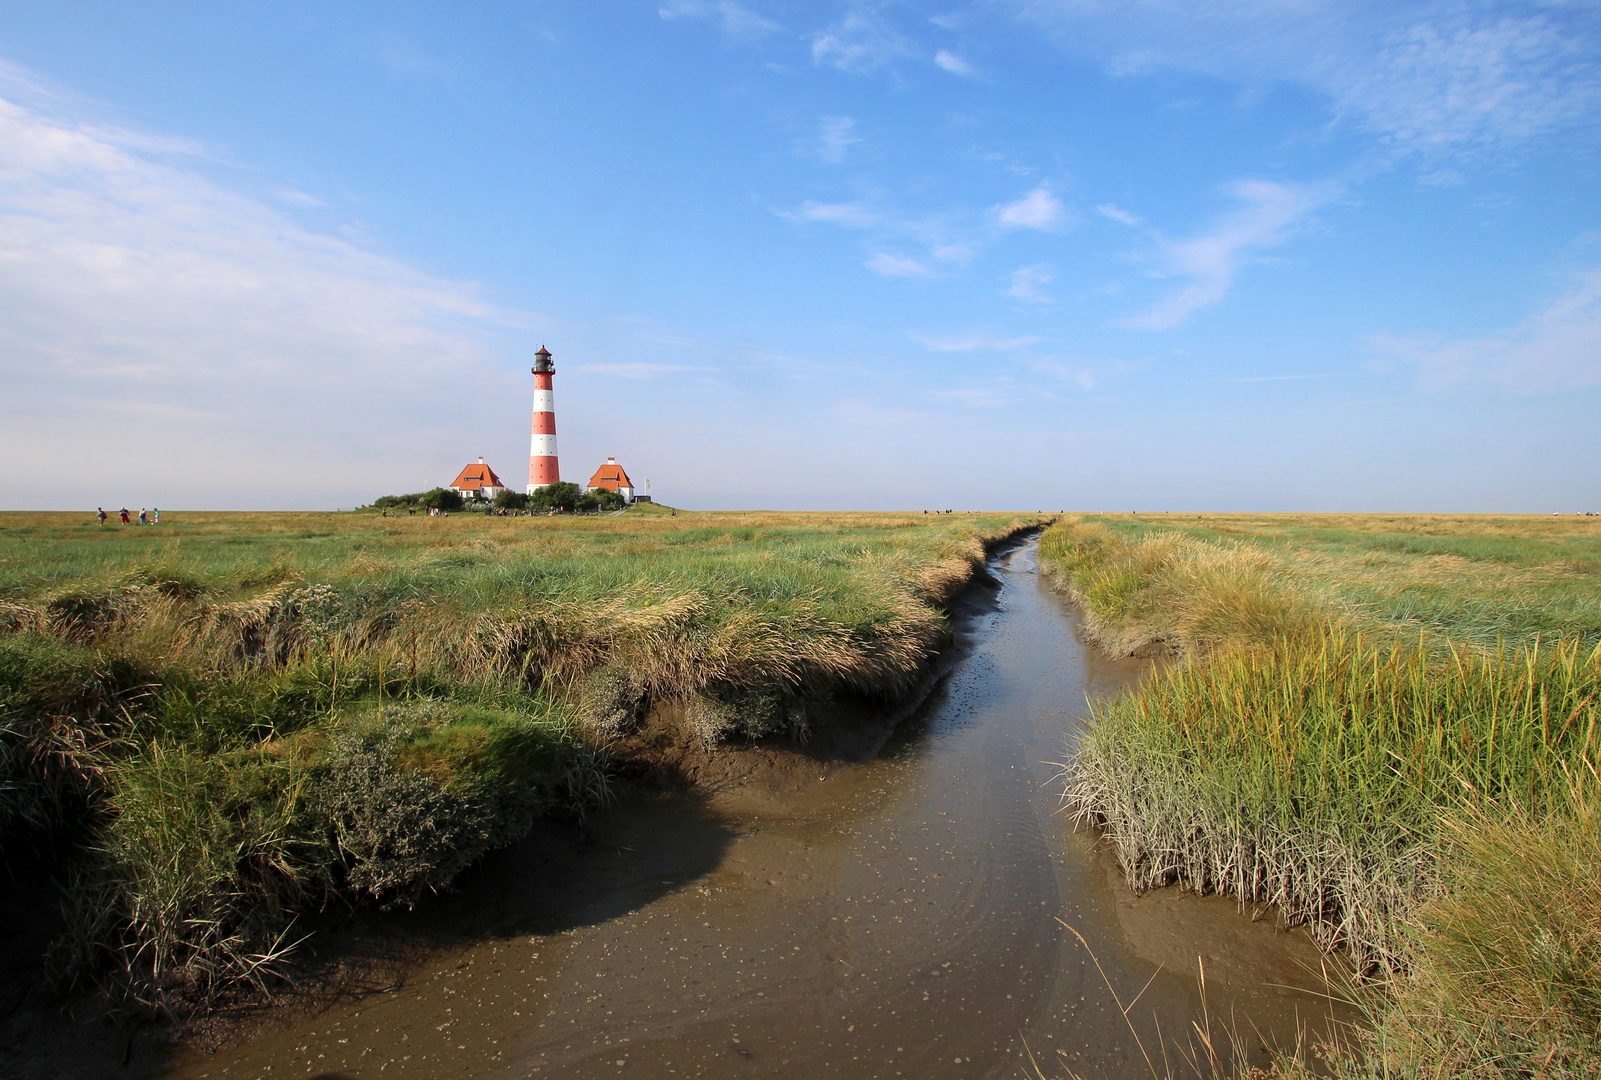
(897, 917)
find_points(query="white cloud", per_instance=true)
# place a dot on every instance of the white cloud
(973, 343)
(886, 265)
(953, 63)
(735, 20)
(957, 253)
(849, 215)
(836, 135)
(1026, 282)
(131, 284)
(296, 197)
(1107, 210)
(1039, 209)
(858, 44)
(1444, 77)
(1556, 349)
(1211, 261)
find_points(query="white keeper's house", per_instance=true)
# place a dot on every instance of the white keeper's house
(612, 477)
(477, 481)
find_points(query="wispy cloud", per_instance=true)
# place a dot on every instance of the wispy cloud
(973, 343)
(736, 20)
(1212, 260)
(296, 197)
(1107, 210)
(131, 281)
(1555, 349)
(953, 63)
(859, 43)
(1455, 78)
(887, 265)
(1026, 282)
(835, 136)
(886, 229)
(849, 215)
(1039, 209)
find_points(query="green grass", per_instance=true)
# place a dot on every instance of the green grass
(239, 714)
(1480, 579)
(1386, 727)
(1316, 776)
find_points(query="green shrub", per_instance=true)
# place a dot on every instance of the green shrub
(601, 499)
(418, 794)
(561, 495)
(441, 499)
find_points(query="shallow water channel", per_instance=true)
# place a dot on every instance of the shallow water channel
(894, 918)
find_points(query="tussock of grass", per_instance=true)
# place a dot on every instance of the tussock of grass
(1161, 592)
(1315, 775)
(1507, 979)
(248, 714)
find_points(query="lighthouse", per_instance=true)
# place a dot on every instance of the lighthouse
(542, 468)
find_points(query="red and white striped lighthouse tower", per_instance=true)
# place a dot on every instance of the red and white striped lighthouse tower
(542, 468)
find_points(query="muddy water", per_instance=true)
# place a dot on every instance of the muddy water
(896, 918)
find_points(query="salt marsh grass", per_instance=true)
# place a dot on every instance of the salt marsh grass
(1175, 583)
(1386, 727)
(1316, 776)
(231, 717)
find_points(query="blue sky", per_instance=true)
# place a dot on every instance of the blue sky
(1033, 254)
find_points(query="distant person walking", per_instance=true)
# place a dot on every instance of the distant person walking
(124, 513)
(155, 516)
(100, 512)
(142, 515)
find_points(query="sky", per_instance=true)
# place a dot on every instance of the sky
(1154, 255)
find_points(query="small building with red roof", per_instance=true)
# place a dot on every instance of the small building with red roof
(477, 481)
(612, 477)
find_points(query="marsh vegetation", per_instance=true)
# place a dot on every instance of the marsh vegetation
(1387, 728)
(224, 723)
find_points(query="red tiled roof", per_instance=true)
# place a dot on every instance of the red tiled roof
(476, 476)
(610, 476)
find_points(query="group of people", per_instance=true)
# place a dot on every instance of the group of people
(151, 518)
